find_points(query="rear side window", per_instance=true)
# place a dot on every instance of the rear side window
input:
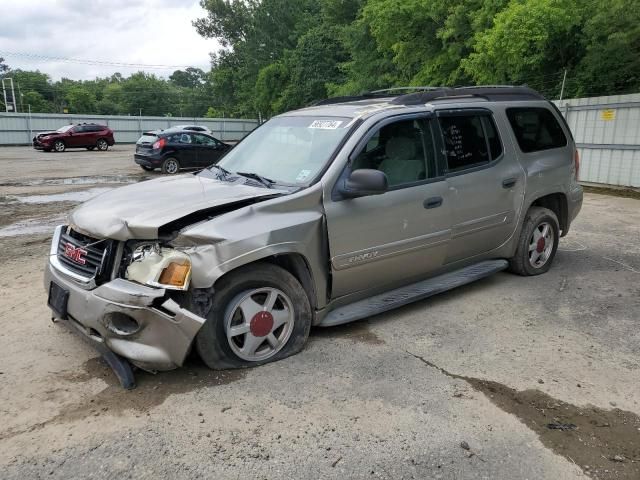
(536, 129)
(469, 141)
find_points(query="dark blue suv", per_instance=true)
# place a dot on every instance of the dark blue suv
(174, 149)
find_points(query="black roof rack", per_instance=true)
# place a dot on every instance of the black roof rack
(493, 93)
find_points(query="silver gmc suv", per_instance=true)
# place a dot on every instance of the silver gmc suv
(321, 216)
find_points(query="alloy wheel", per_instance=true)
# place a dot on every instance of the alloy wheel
(258, 323)
(541, 245)
(172, 166)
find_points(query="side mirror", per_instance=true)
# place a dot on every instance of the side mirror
(363, 182)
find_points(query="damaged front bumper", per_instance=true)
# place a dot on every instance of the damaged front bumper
(134, 321)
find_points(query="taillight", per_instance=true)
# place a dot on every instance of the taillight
(576, 161)
(159, 144)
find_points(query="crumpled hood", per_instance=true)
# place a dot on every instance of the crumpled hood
(139, 210)
(41, 134)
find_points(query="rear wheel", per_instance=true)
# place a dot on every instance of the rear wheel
(59, 146)
(170, 166)
(538, 243)
(102, 145)
(259, 314)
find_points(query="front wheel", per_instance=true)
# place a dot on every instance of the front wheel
(59, 146)
(260, 314)
(102, 145)
(537, 244)
(170, 166)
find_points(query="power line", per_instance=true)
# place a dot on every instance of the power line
(45, 58)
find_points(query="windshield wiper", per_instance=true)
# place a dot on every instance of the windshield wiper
(267, 182)
(224, 172)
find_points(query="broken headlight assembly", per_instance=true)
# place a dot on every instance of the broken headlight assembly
(158, 266)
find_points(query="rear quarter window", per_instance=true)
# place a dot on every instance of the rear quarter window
(536, 129)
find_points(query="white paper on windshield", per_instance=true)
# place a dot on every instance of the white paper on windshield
(326, 124)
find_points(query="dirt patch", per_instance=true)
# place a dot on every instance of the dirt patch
(616, 192)
(355, 331)
(151, 391)
(604, 443)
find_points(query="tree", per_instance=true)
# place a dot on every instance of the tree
(189, 78)
(531, 41)
(3, 66)
(611, 63)
(79, 99)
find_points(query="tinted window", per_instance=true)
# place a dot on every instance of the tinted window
(464, 141)
(204, 140)
(403, 150)
(184, 138)
(490, 130)
(536, 129)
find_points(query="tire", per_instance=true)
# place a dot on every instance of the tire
(220, 348)
(538, 243)
(171, 166)
(146, 169)
(102, 145)
(91, 148)
(59, 146)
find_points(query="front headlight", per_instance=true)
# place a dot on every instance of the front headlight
(157, 266)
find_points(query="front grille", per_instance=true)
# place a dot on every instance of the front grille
(97, 259)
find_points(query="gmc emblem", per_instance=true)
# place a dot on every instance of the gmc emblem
(75, 254)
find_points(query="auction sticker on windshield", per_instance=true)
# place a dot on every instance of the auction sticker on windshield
(326, 124)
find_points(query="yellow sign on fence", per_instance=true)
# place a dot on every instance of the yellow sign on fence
(608, 114)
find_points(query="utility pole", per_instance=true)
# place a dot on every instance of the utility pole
(9, 105)
(564, 79)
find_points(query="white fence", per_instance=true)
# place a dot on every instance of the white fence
(18, 128)
(607, 131)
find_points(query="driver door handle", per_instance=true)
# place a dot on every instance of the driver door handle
(432, 202)
(509, 182)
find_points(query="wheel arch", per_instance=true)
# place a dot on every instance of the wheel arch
(556, 202)
(293, 262)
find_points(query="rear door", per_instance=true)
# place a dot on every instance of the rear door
(380, 241)
(209, 150)
(484, 179)
(183, 147)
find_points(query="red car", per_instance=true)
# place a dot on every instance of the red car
(82, 135)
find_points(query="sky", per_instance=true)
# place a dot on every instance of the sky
(145, 32)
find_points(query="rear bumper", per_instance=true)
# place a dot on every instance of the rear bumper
(574, 205)
(164, 333)
(148, 160)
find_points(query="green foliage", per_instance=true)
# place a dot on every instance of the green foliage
(278, 55)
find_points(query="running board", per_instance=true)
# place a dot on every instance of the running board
(411, 293)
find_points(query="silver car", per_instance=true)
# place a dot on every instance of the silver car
(319, 217)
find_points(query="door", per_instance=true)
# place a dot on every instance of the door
(484, 179)
(78, 137)
(209, 150)
(377, 242)
(182, 146)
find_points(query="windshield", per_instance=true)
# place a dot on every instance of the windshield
(65, 128)
(289, 150)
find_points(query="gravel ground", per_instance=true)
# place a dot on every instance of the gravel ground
(462, 385)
